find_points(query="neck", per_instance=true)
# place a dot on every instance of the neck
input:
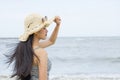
(35, 42)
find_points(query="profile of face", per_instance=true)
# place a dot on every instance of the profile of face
(42, 34)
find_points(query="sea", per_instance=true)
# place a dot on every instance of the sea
(74, 55)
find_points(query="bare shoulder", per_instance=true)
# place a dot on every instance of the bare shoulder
(41, 52)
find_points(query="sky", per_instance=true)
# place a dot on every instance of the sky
(79, 17)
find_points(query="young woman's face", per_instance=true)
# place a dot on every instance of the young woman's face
(42, 34)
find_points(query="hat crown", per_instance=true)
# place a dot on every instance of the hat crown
(32, 20)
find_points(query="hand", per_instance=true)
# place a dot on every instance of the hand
(57, 20)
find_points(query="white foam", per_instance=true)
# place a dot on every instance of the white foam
(75, 77)
(86, 77)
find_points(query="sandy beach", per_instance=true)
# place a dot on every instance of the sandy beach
(77, 77)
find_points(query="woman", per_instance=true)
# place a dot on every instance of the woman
(31, 60)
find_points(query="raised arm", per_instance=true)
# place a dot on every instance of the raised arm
(53, 37)
(54, 34)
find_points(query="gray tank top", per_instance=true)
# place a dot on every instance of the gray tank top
(34, 72)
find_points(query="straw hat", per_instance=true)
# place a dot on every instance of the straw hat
(33, 23)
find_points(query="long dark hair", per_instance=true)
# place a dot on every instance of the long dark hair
(23, 57)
